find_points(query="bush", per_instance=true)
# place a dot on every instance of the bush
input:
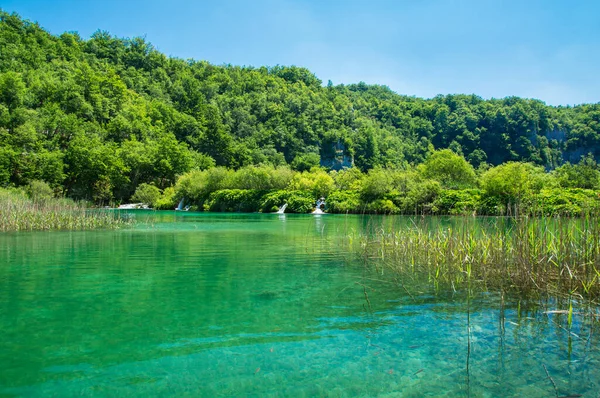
(455, 202)
(450, 169)
(167, 201)
(421, 197)
(39, 191)
(570, 202)
(585, 174)
(306, 161)
(317, 181)
(147, 194)
(513, 183)
(196, 186)
(201, 161)
(376, 185)
(491, 206)
(382, 206)
(345, 202)
(347, 179)
(297, 201)
(234, 200)
(261, 178)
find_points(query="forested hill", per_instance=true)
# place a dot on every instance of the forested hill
(98, 117)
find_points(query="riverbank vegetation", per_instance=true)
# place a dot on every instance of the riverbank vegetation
(529, 255)
(444, 184)
(36, 210)
(98, 119)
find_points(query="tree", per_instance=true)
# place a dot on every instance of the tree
(306, 161)
(12, 89)
(450, 169)
(147, 194)
(585, 174)
(512, 182)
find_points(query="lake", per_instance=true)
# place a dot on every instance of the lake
(206, 304)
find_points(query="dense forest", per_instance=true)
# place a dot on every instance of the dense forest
(94, 119)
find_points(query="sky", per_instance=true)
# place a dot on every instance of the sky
(544, 49)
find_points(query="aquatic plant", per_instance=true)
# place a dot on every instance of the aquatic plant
(19, 213)
(554, 255)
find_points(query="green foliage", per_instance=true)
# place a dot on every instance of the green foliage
(201, 161)
(197, 185)
(585, 174)
(167, 200)
(39, 191)
(348, 179)
(513, 182)
(565, 202)
(297, 201)
(96, 118)
(450, 169)
(20, 213)
(306, 161)
(421, 197)
(345, 202)
(382, 206)
(377, 184)
(317, 181)
(7, 158)
(262, 177)
(457, 202)
(147, 194)
(234, 200)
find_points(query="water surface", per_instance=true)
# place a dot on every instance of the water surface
(192, 304)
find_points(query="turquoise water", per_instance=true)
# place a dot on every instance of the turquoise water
(211, 305)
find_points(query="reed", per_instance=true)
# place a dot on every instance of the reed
(19, 213)
(552, 255)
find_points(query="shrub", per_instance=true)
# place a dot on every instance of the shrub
(306, 161)
(457, 202)
(585, 174)
(513, 182)
(570, 202)
(450, 169)
(261, 177)
(317, 181)
(195, 186)
(147, 194)
(345, 202)
(167, 201)
(347, 179)
(298, 201)
(234, 200)
(382, 206)
(39, 190)
(420, 198)
(376, 184)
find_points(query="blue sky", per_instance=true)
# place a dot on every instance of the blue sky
(545, 49)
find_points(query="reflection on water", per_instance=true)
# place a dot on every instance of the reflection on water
(255, 305)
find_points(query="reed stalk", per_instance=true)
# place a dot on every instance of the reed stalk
(19, 213)
(554, 255)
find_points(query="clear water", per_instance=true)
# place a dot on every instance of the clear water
(215, 305)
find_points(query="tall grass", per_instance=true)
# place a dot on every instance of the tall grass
(19, 213)
(527, 254)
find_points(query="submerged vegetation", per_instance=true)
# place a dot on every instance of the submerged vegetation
(529, 255)
(22, 212)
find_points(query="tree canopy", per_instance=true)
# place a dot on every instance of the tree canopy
(95, 118)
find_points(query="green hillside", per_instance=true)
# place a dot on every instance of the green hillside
(97, 117)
